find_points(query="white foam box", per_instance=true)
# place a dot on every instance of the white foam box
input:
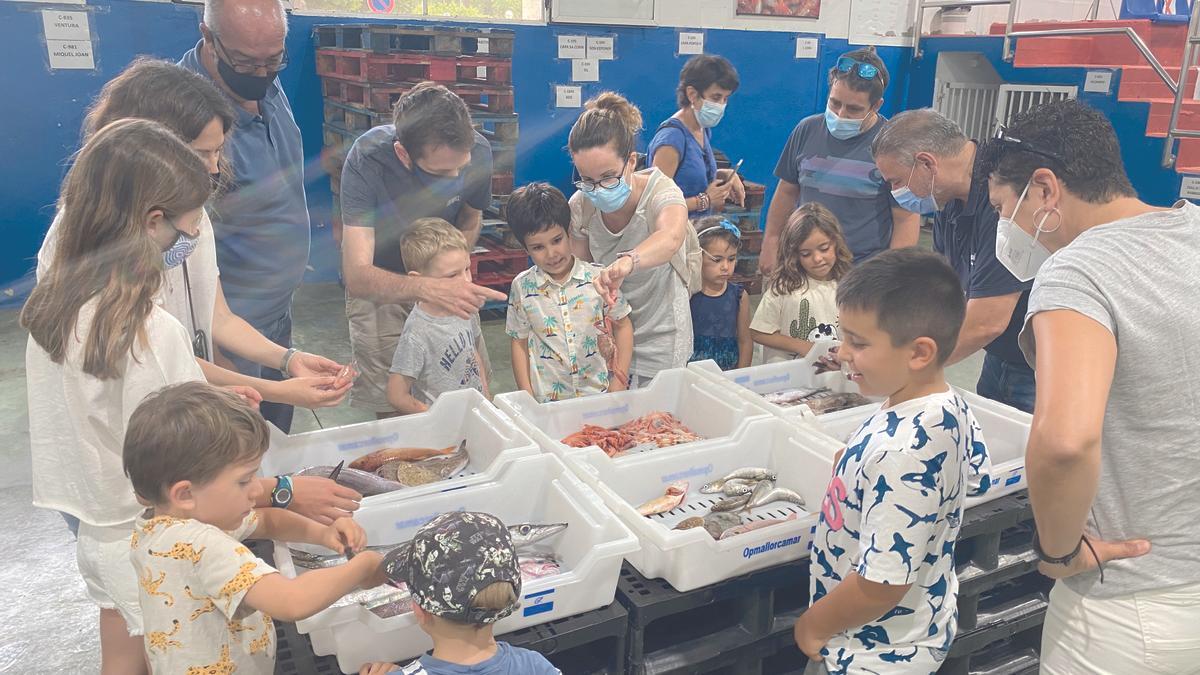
(491, 436)
(753, 382)
(708, 408)
(688, 559)
(530, 489)
(1005, 430)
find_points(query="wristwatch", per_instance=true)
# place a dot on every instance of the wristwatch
(286, 362)
(281, 496)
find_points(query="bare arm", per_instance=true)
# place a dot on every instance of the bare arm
(745, 341)
(294, 599)
(483, 380)
(985, 321)
(470, 223)
(666, 158)
(782, 342)
(783, 202)
(306, 392)
(399, 393)
(853, 603)
(365, 280)
(233, 334)
(669, 231)
(520, 364)
(580, 248)
(906, 228)
(623, 337)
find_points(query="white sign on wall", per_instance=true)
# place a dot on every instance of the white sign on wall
(600, 48)
(1190, 188)
(65, 25)
(1098, 81)
(568, 96)
(572, 47)
(806, 48)
(70, 54)
(585, 70)
(691, 43)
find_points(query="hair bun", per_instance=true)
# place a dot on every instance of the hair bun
(618, 106)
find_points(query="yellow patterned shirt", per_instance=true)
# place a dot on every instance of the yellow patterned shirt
(192, 578)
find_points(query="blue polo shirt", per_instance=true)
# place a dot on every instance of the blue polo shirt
(966, 234)
(697, 163)
(261, 223)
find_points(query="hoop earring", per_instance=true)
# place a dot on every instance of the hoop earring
(1048, 212)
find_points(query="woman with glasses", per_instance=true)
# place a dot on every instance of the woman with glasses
(191, 107)
(635, 223)
(828, 160)
(682, 146)
(1113, 458)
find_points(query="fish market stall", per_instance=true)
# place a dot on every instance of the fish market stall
(461, 439)
(570, 548)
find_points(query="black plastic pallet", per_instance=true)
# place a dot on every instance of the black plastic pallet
(670, 631)
(984, 526)
(588, 643)
(1016, 654)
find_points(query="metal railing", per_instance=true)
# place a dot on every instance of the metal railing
(1189, 54)
(922, 5)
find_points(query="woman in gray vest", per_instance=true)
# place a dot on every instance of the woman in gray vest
(1114, 452)
(635, 222)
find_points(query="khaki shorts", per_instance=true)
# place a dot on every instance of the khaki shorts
(374, 332)
(103, 557)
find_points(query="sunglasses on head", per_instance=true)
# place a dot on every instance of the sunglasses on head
(866, 71)
(1004, 140)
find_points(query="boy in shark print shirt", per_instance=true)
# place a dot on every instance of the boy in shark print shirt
(884, 593)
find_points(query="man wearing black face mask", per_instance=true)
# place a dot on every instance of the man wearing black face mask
(261, 220)
(428, 163)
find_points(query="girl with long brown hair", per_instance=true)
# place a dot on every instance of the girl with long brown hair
(799, 305)
(99, 343)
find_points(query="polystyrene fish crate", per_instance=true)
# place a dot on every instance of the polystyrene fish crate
(753, 382)
(688, 559)
(704, 406)
(531, 489)
(1005, 430)
(491, 436)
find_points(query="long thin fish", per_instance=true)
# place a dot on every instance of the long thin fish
(365, 483)
(774, 495)
(756, 525)
(726, 485)
(523, 535)
(751, 473)
(731, 504)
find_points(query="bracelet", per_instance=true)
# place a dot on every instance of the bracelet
(634, 257)
(1068, 558)
(287, 360)
(705, 202)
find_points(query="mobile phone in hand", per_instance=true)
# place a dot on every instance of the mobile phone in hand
(733, 173)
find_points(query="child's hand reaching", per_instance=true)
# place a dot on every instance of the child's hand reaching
(375, 576)
(344, 535)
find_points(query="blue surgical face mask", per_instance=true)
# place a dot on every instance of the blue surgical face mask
(709, 115)
(179, 251)
(909, 201)
(608, 200)
(842, 128)
(447, 187)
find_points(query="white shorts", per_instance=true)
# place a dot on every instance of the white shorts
(112, 583)
(1140, 634)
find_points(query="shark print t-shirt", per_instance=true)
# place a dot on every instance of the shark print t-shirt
(192, 578)
(891, 514)
(438, 353)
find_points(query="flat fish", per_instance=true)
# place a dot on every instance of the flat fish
(716, 523)
(448, 466)
(689, 523)
(363, 482)
(408, 474)
(756, 525)
(374, 460)
(775, 494)
(751, 473)
(731, 504)
(672, 498)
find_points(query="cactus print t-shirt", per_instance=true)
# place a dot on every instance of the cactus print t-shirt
(891, 515)
(807, 314)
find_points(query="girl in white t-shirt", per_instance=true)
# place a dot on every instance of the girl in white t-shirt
(132, 203)
(799, 304)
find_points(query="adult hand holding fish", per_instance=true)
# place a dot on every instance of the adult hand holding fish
(321, 499)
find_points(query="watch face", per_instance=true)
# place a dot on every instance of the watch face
(283, 496)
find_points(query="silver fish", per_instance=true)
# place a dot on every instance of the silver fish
(731, 504)
(523, 535)
(315, 561)
(716, 523)
(774, 494)
(365, 483)
(751, 473)
(737, 489)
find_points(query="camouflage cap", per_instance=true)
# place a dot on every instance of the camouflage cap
(452, 558)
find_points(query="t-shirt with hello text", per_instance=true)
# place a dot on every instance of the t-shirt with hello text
(438, 354)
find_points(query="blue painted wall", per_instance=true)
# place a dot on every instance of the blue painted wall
(1142, 155)
(42, 110)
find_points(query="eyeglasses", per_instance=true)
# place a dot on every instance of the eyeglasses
(607, 183)
(276, 64)
(1004, 140)
(866, 71)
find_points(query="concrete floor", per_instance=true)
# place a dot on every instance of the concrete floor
(48, 624)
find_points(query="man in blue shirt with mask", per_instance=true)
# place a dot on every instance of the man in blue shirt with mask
(827, 159)
(930, 165)
(261, 223)
(428, 163)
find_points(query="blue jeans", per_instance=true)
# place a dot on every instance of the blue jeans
(1007, 382)
(279, 332)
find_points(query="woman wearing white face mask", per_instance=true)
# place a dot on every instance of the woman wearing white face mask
(682, 146)
(1112, 456)
(635, 222)
(828, 160)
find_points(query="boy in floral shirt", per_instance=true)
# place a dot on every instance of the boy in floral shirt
(565, 342)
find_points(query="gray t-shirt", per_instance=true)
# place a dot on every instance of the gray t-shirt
(438, 354)
(1140, 278)
(841, 175)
